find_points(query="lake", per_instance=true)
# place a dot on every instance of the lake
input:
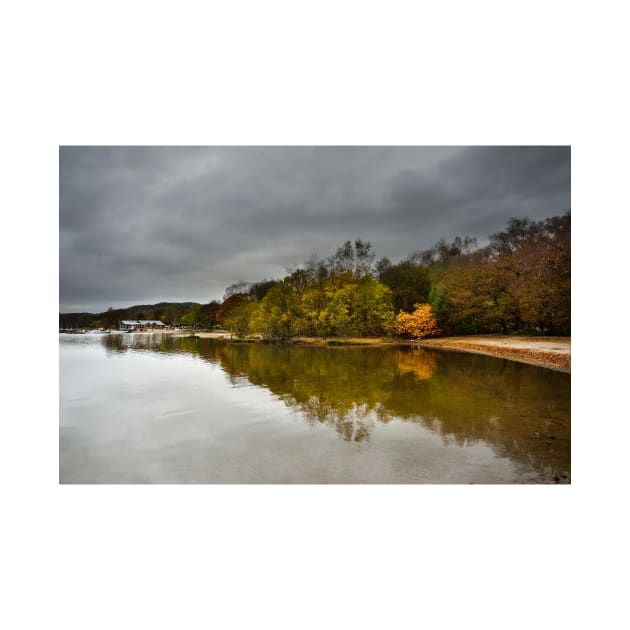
(153, 408)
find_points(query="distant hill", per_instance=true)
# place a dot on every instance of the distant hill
(76, 320)
(168, 312)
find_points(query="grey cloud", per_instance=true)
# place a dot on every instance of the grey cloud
(144, 224)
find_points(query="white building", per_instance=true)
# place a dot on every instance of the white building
(141, 324)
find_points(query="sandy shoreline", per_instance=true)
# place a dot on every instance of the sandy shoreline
(549, 352)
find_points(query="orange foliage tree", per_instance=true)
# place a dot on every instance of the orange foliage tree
(420, 323)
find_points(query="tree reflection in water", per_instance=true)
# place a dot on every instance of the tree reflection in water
(521, 411)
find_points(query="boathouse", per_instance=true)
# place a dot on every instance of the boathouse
(141, 324)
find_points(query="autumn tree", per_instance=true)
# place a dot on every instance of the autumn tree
(421, 323)
(520, 282)
(541, 281)
(232, 317)
(208, 314)
(477, 296)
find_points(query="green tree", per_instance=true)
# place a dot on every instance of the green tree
(278, 315)
(334, 318)
(372, 311)
(238, 318)
(409, 282)
(190, 318)
(166, 316)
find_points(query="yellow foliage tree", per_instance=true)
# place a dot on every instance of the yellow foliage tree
(421, 323)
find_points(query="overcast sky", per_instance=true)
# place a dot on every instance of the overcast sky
(140, 225)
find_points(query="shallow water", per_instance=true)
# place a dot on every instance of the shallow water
(140, 408)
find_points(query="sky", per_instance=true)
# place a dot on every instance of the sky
(141, 225)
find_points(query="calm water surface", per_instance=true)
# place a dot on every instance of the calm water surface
(141, 408)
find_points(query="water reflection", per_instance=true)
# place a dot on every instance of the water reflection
(116, 344)
(522, 412)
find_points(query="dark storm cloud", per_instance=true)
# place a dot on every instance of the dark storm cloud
(144, 224)
(479, 185)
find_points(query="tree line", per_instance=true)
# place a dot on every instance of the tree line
(520, 282)
(167, 312)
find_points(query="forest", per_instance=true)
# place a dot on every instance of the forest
(520, 282)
